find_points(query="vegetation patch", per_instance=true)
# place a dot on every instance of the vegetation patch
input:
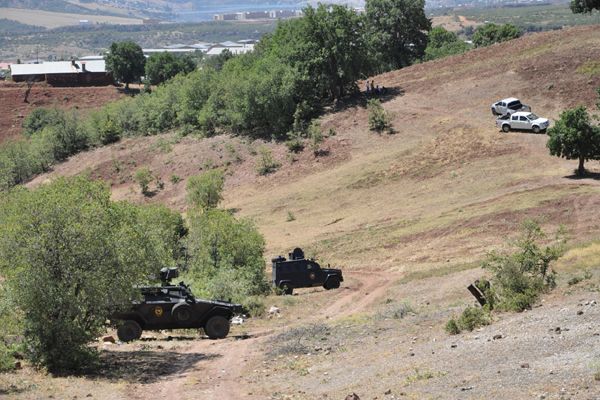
(591, 68)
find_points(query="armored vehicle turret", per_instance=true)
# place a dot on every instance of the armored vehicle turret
(299, 272)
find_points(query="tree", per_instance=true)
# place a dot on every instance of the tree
(161, 67)
(70, 257)
(125, 61)
(204, 191)
(575, 138)
(492, 33)
(443, 43)
(397, 31)
(584, 6)
(143, 177)
(226, 256)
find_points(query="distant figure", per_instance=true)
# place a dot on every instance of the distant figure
(368, 87)
(377, 90)
(383, 90)
(372, 85)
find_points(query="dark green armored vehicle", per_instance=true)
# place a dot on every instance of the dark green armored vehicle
(299, 272)
(174, 307)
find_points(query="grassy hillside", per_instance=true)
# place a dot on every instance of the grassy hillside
(441, 191)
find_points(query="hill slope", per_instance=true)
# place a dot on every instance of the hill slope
(408, 215)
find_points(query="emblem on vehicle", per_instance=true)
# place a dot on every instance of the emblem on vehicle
(158, 311)
(312, 276)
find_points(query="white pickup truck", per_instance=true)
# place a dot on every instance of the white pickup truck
(522, 120)
(509, 106)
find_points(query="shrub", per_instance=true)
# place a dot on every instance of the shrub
(226, 256)
(473, 317)
(40, 118)
(452, 327)
(520, 276)
(70, 256)
(379, 120)
(143, 177)
(175, 179)
(316, 137)
(290, 216)
(294, 143)
(204, 191)
(266, 164)
(254, 305)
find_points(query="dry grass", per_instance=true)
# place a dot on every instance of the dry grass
(51, 19)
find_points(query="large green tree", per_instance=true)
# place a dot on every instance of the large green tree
(125, 61)
(161, 67)
(70, 257)
(575, 138)
(491, 33)
(584, 6)
(397, 31)
(443, 43)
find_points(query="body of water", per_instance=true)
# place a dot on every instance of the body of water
(205, 13)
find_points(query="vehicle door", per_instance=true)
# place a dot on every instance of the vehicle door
(502, 108)
(314, 275)
(524, 122)
(514, 122)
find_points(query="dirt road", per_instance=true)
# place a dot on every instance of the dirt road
(221, 373)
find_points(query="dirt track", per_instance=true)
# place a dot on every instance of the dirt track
(223, 374)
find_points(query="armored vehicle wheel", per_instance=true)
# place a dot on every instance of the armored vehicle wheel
(287, 289)
(217, 327)
(129, 330)
(182, 313)
(332, 283)
(505, 128)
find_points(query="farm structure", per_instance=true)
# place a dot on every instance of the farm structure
(64, 73)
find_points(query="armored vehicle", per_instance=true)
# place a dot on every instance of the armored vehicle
(299, 272)
(174, 307)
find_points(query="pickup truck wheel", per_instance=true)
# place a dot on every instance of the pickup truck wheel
(505, 128)
(536, 129)
(217, 327)
(332, 283)
(182, 313)
(129, 330)
(494, 113)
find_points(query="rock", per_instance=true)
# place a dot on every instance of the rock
(453, 345)
(389, 391)
(109, 339)
(274, 310)
(525, 365)
(498, 336)
(466, 388)
(352, 396)
(580, 312)
(89, 395)
(237, 320)
(18, 365)
(557, 330)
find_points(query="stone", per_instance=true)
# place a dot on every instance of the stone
(525, 365)
(453, 345)
(18, 365)
(389, 391)
(498, 336)
(580, 312)
(352, 396)
(274, 310)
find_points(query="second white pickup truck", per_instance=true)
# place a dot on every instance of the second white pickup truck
(522, 120)
(509, 106)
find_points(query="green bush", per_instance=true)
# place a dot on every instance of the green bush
(70, 257)
(143, 177)
(266, 164)
(491, 33)
(226, 256)
(473, 317)
(379, 119)
(204, 191)
(520, 276)
(315, 136)
(40, 118)
(452, 327)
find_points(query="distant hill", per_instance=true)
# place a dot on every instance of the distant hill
(46, 5)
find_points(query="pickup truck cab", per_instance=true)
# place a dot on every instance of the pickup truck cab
(522, 121)
(509, 106)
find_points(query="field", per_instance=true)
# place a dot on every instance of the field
(50, 19)
(13, 108)
(408, 217)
